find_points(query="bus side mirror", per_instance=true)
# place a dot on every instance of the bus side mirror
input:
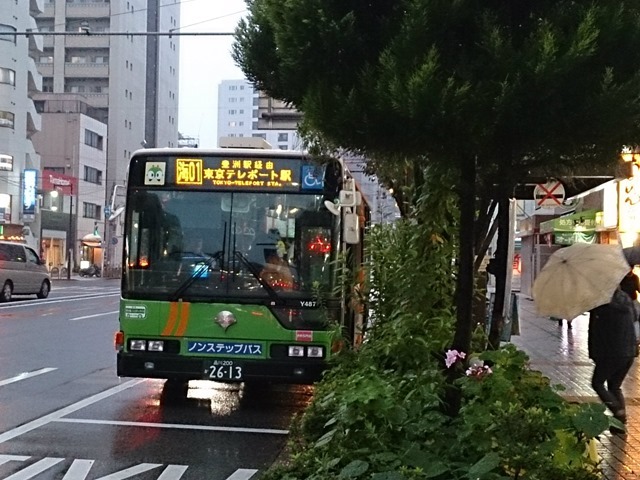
(351, 228)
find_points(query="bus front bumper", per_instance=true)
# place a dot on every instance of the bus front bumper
(192, 368)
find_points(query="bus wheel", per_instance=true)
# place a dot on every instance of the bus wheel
(175, 388)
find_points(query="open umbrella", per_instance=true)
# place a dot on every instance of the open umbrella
(578, 278)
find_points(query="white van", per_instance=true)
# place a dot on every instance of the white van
(22, 272)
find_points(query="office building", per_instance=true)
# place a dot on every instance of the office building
(102, 52)
(19, 120)
(239, 113)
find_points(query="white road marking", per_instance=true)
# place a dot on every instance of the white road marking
(13, 458)
(79, 469)
(95, 315)
(132, 471)
(36, 469)
(24, 376)
(173, 425)
(39, 422)
(44, 303)
(242, 474)
(173, 472)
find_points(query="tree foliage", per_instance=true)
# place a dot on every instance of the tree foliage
(491, 89)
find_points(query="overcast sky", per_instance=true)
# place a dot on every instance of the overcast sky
(204, 62)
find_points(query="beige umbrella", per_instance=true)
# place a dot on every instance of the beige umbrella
(578, 278)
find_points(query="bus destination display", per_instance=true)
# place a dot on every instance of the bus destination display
(259, 173)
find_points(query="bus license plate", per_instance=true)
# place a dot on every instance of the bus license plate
(223, 370)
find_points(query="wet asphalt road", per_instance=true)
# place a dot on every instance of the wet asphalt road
(64, 414)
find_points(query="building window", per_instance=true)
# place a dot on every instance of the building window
(7, 33)
(7, 76)
(254, 126)
(92, 139)
(232, 112)
(91, 210)
(6, 162)
(259, 135)
(6, 119)
(76, 59)
(283, 137)
(92, 175)
(45, 59)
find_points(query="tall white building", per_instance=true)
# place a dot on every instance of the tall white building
(19, 120)
(104, 51)
(238, 115)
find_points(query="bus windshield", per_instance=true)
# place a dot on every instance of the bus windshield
(235, 246)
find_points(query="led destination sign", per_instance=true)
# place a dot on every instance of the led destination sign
(236, 172)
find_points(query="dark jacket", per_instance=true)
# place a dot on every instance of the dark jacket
(611, 332)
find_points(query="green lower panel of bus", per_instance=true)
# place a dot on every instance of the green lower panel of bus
(221, 342)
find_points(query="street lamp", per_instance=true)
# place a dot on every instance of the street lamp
(71, 241)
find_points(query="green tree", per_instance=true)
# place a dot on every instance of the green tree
(491, 89)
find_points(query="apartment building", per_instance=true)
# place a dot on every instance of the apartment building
(105, 52)
(239, 114)
(19, 120)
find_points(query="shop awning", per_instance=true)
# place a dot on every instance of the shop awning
(92, 240)
(579, 227)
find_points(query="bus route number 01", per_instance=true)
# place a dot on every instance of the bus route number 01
(223, 370)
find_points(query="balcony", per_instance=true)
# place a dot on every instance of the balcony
(97, 100)
(88, 10)
(47, 12)
(35, 41)
(86, 70)
(34, 79)
(34, 120)
(45, 69)
(87, 41)
(36, 6)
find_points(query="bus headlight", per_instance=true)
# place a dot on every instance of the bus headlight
(138, 345)
(296, 351)
(315, 352)
(155, 346)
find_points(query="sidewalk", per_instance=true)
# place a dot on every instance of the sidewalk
(561, 355)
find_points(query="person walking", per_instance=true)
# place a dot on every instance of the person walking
(612, 347)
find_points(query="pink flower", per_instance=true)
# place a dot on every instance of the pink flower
(453, 356)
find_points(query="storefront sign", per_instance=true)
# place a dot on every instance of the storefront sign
(29, 194)
(629, 204)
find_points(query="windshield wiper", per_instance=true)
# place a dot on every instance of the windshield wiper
(198, 272)
(254, 271)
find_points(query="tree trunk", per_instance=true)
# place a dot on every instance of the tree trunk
(465, 279)
(502, 250)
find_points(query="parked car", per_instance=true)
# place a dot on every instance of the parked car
(22, 272)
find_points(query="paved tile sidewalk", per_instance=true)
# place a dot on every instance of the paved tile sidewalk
(561, 354)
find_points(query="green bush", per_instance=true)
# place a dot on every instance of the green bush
(378, 413)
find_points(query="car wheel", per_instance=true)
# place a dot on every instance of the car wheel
(6, 292)
(45, 288)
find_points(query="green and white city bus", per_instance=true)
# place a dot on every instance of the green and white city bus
(230, 269)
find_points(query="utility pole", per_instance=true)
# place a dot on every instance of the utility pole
(71, 241)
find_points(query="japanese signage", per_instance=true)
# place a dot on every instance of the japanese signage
(629, 203)
(233, 173)
(225, 348)
(29, 194)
